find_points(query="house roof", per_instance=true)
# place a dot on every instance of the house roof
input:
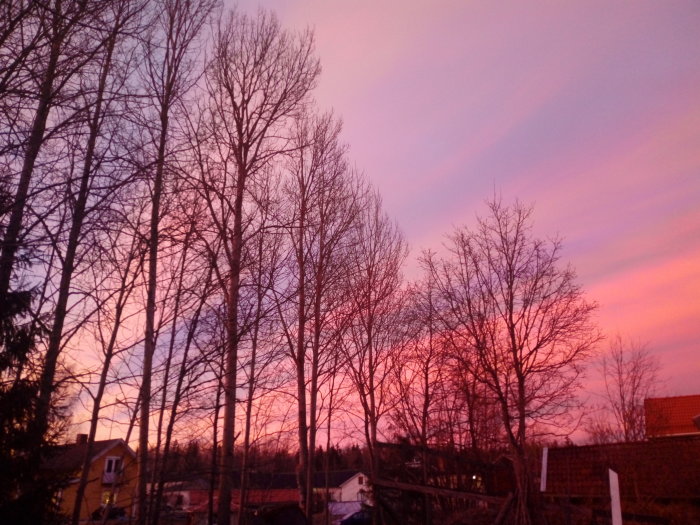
(288, 480)
(336, 478)
(261, 497)
(256, 498)
(659, 468)
(186, 485)
(668, 416)
(69, 457)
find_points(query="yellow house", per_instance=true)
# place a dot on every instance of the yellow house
(111, 479)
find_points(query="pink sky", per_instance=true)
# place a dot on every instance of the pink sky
(590, 110)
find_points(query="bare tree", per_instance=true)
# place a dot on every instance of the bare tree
(523, 325)
(376, 302)
(66, 38)
(262, 346)
(182, 387)
(84, 196)
(116, 269)
(21, 38)
(322, 207)
(631, 374)
(467, 414)
(477, 413)
(258, 77)
(420, 378)
(57, 68)
(169, 73)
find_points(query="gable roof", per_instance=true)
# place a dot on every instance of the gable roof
(69, 457)
(669, 416)
(336, 478)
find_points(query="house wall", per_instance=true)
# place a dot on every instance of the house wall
(352, 489)
(125, 490)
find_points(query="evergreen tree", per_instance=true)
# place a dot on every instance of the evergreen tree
(26, 493)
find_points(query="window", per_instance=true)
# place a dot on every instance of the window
(107, 497)
(112, 470)
(360, 480)
(113, 465)
(57, 498)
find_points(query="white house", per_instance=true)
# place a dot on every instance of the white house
(343, 485)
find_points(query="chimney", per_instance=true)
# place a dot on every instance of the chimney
(81, 439)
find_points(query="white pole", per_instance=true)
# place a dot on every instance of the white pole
(615, 506)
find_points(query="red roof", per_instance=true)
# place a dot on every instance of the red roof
(671, 416)
(256, 497)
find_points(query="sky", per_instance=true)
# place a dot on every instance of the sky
(588, 110)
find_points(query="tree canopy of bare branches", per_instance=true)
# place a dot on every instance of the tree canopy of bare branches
(184, 241)
(376, 300)
(518, 319)
(259, 76)
(321, 198)
(631, 374)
